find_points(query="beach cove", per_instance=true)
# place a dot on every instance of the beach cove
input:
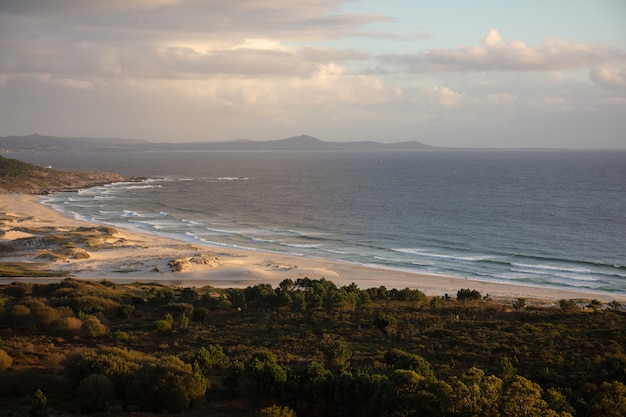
(29, 229)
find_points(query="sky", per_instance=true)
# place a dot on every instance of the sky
(480, 73)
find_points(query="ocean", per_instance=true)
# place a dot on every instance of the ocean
(541, 218)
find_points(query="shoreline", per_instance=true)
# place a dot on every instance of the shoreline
(126, 256)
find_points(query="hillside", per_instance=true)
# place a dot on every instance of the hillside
(23, 178)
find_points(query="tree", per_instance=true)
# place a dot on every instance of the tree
(405, 393)
(385, 322)
(474, 394)
(400, 359)
(38, 405)
(337, 354)
(170, 384)
(610, 400)
(264, 377)
(95, 392)
(522, 398)
(210, 357)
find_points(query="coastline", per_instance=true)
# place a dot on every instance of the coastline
(125, 256)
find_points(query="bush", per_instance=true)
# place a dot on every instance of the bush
(121, 336)
(170, 385)
(201, 314)
(95, 392)
(568, 306)
(165, 324)
(125, 311)
(66, 325)
(468, 295)
(277, 411)
(38, 405)
(19, 382)
(92, 327)
(5, 361)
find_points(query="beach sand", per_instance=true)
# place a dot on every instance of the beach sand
(31, 230)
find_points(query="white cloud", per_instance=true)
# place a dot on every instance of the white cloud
(501, 100)
(553, 104)
(608, 76)
(441, 96)
(262, 44)
(494, 54)
(66, 82)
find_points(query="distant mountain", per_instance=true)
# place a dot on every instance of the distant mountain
(296, 143)
(38, 142)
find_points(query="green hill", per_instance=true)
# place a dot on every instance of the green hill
(23, 178)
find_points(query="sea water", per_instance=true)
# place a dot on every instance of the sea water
(540, 218)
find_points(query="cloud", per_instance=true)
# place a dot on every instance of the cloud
(36, 7)
(441, 96)
(608, 76)
(66, 82)
(494, 54)
(170, 39)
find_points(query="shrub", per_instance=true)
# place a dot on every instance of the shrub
(125, 311)
(181, 308)
(568, 306)
(18, 314)
(201, 314)
(468, 295)
(66, 325)
(38, 405)
(165, 324)
(92, 327)
(121, 336)
(277, 411)
(19, 382)
(95, 392)
(5, 361)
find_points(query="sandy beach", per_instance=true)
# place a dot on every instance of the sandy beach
(33, 233)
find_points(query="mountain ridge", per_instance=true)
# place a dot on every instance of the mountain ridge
(302, 142)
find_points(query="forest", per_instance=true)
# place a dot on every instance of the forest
(304, 348)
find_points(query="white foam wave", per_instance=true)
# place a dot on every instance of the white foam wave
(420, 252)
(551, 268)
(301, 246)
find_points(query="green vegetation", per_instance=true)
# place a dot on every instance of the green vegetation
(15, 168)
(304, 348)
(21, 177)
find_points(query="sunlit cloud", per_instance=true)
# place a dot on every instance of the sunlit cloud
(495, 54)
(608, 76)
